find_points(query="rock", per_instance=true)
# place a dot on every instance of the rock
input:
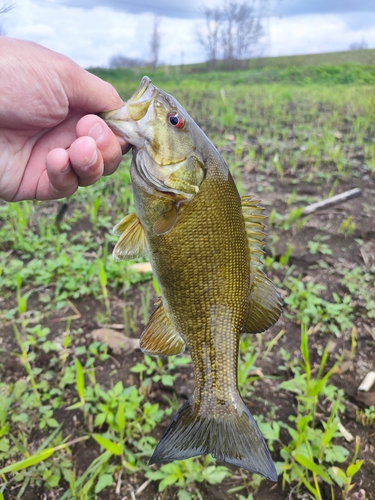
(116, 341)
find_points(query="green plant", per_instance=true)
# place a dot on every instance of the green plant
(311, 447)
(184, 473)
(344, 477)
(307, 306)
(156, 370)
(347, 226)
(366, 416)
(319, 247)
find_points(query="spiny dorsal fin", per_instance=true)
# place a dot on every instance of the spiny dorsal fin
(264, 301)
(160, 336)
(265, 304)
(132, 243)
(166, 221)
(253, 217)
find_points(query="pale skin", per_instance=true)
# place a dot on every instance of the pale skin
(51, 142)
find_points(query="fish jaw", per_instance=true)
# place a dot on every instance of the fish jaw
(130, 120)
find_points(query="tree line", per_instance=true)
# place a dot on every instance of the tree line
(231, 33)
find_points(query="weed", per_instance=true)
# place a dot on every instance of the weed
(311, 446)
(308, 307)
(366, 416)
(185, 473)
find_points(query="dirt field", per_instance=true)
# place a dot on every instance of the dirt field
(323, 264)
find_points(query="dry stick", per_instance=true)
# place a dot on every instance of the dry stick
(338, 198)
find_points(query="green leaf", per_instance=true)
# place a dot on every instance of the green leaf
(80, 380)
(79, 404)
(28, 462)
(338, 475)
(121, 417)
(167, 481)
(354, 468)
(103, 481)
(184, 495)
(115, 448)
(52, 422)
(215, 475)
(310, 465)
(99, 419)
(155, 475)
(138, 368)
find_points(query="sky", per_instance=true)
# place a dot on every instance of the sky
(92, 31)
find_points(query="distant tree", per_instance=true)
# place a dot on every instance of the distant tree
(235, 28)
(119, 61)
(241, 30)
(155, 42)
(359, 45)
(209, 37)
(5, 6)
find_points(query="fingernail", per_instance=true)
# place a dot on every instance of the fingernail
(66, 169)
(92, 160)
(96, 132)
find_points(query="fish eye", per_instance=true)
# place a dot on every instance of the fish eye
(176, 120)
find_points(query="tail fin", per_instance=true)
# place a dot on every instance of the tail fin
(236, 440)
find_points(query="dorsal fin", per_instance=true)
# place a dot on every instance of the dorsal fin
(265, 304)
(132, 243)
(253, 217)
(160, 335)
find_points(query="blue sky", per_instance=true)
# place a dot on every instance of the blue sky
(91, 31)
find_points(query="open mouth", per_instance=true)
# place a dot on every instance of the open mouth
(142, 89)
(140, 102)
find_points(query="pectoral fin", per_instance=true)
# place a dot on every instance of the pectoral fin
(160, 336)
(132, 242)
(166, 221)
(265, 304)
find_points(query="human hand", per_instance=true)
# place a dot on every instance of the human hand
(49, 142)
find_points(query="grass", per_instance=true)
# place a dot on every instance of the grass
(290, 143)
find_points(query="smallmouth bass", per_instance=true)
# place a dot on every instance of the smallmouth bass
(203, 242)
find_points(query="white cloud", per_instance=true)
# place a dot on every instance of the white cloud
(310, 34)
(92, 36)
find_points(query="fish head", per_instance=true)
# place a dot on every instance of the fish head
(163, 138)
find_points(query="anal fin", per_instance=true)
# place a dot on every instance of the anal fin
(132, 242)
(160, 335)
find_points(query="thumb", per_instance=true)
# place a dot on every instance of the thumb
(87, 92)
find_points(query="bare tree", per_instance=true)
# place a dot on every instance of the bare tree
(235, 28)
(5, 6)
(359, 45)
(209, 37)
(241, 30)
(155, 42)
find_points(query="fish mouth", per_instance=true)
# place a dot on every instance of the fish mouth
(130, 119)
(144, 88)
(136, 107)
